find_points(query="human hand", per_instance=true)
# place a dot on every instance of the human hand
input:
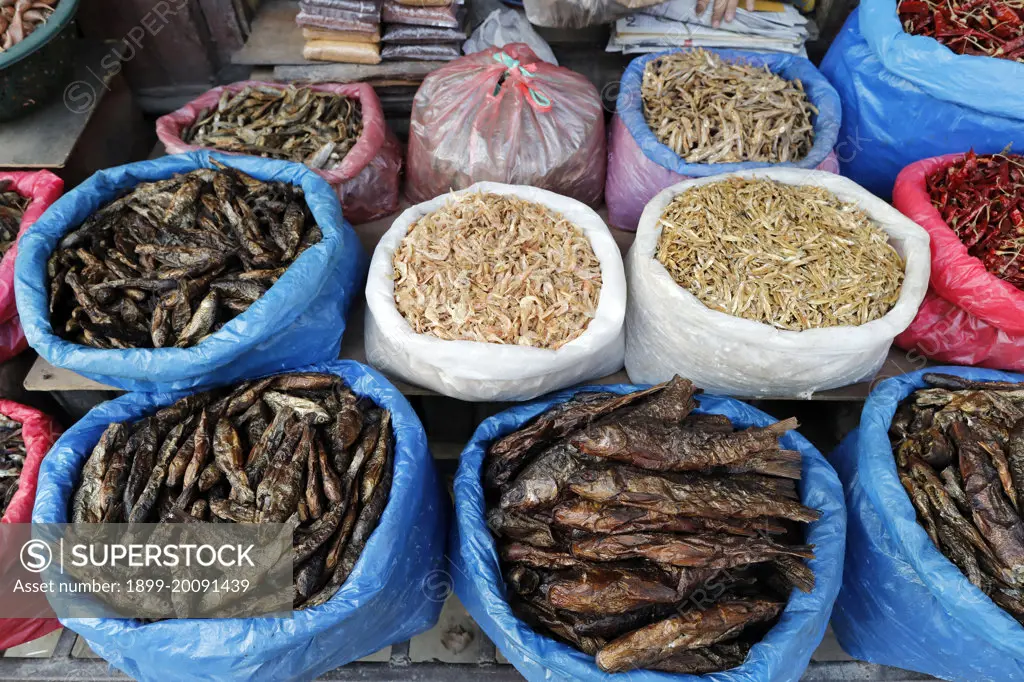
(723, 9)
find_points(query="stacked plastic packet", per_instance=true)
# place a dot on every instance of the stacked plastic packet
(428, 30)
(772, 27)
(341, 30)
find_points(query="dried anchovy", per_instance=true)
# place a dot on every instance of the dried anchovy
(794, 257)
(497, 269)
(959, 451)
(708, 110)
(263, 451)
(296, 123)
(605, 546)
(12, 459)
(19, 18)
(12, 208)
(171, 262)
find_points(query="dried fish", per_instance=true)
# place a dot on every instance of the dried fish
(296, 123)
(170, 262)
(12, 460)
(708, 110)
(198, 461)
(12, 208)
(497, 269)
(20, 18)
(792, 256)
(649, 536)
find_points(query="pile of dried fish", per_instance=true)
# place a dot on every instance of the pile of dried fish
(645, 535)
(959, 449)
(292, 446)
(19, 18)
(708, 110)
(173, 261)
(295, 123)
(12, 459)
(795, 257)
(12, 207)
(497, 269)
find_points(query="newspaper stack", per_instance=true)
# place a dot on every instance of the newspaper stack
(427, 30)
(341, 30)
(676, 24)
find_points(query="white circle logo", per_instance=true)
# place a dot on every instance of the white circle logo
(36, 556)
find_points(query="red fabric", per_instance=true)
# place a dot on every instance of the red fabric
(970, 316)
(367, 178)
(39, 432)
(44, 188)
(504, 115)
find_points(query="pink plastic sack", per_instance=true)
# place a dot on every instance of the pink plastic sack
(977, 319)
(503, 115)
(40, 432)
(44, 188)
(366, 180)
(633, 179)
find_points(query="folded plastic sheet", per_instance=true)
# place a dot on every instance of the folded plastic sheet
(43, 188)
(298, 320)
(367, 179)
(781, 656)
(908, 97)
(902, 602)
(640, 166)
(581, 13)
(39, 431)
(382, 602)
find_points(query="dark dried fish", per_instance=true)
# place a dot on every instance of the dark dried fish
(12, 455)
(698, 551)
(12, 208)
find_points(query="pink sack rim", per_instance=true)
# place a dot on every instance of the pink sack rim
(1003, 305)
(43, 188)
(170, 126)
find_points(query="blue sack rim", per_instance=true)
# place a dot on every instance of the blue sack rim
(369, 575)
(969, 81)
(876, 468)
(478, 551)
(280, 306)
(629, 107)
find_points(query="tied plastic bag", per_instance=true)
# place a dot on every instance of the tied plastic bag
(366, 179)
(781, 656)
(640, 166)
(902, 602)
(300, 319)
(581, 13)
(381, 603)
(908, 97)
(669, 331)
(971, 316)
(506, 116)
(471, 370)
(39, 432)
(43, 188)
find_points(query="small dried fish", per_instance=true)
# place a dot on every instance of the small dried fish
(20, 18)
(12, 459)
(12, 208)
(296, 123)
(708, 110)
(497, 269)
(794, 257)
(171, 262)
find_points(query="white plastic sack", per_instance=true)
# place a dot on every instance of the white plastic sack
(503, 27)
(670, 332)
(471, 370)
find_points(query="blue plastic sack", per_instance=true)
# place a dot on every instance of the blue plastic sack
(640, 166)
(907, 98)
(385, 599)
(781, 656)
(299, 320)
(902, 602)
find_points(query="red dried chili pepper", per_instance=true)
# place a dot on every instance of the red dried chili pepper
(992, 28)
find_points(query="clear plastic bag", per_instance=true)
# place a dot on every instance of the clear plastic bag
(448, 15)
(507, 116)
(407, 33)
(580, 13)
(470, 370)
(444, 52)
(669, 331)
(503, 27)
(334, 10)
(367, 180)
